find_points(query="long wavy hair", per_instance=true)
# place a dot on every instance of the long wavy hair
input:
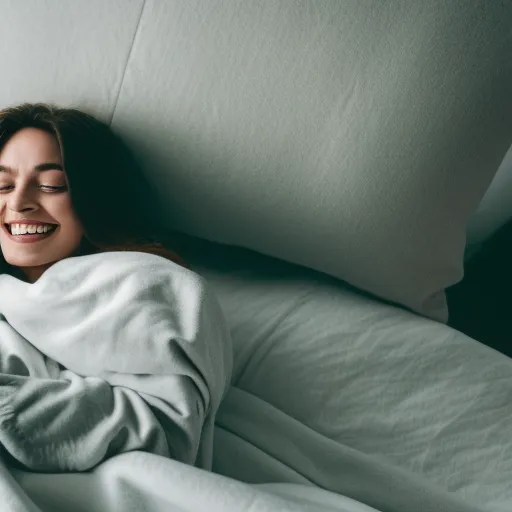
(110, 194)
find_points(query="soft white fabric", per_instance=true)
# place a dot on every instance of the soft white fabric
(142, 482)
(110, 353)
(326, 133)
(106, 358)
(82, 63)
(373, 383)
(257, 442)
(393, 411)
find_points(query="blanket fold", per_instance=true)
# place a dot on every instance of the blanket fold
(109, 353)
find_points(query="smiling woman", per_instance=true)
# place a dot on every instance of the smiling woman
(39, 225)
(69, 186)
(112, 351)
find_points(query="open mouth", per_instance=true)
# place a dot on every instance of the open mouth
(33, 231)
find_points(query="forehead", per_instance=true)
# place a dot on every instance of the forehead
(28, 147)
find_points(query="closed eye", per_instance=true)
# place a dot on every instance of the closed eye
(53, 188)
(47, 187)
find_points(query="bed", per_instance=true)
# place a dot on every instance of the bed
(399, 413)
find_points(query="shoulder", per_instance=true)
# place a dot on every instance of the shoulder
(121, 262)
(121, 272)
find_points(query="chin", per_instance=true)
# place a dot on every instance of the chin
(27, 260)
(30, 264)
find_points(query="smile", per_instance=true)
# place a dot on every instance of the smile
(21, 234)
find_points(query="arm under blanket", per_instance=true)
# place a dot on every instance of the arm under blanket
(144, 358)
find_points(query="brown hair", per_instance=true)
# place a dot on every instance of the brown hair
(122, 213)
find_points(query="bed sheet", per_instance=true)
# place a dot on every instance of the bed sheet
(403, 393)
(143, 482)
(264, 461)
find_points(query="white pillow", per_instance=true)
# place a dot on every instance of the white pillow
(355, 138)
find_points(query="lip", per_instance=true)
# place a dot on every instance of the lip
(21, 239)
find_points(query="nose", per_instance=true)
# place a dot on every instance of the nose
(19, 200)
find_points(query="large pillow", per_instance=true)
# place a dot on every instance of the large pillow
(355, 138)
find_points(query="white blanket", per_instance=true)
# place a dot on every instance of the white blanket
(112, 372)
(112, 369)
(106, 354)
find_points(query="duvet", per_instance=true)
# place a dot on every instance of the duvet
(112, 369)
(116, 394)
(110, 353)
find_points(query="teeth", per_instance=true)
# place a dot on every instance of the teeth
(23, 229)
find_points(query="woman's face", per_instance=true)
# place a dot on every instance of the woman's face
(38, 224)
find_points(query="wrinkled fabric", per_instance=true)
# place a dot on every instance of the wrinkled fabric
(110, 353)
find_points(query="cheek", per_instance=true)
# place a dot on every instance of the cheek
(63, 213)
(75, 225)
(61, 208)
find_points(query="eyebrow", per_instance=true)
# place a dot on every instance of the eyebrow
(47, 166)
